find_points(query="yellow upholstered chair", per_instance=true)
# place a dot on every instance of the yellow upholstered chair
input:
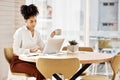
(8, 52)
(115, 64)
(89, 49)
(118, 53)
(65, 66)
(104, 43)
(105, 46)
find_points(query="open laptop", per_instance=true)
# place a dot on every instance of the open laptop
(53, 46)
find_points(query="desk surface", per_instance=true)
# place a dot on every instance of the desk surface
(84, 57)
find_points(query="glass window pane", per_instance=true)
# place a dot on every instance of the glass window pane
(104, 26)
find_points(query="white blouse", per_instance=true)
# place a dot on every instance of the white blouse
(23, 41)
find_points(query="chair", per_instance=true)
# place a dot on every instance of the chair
(115, 64)
(65, 66)
(8, 53)
(104, 43)
(118, 53)
(104, 46)
(89, 49)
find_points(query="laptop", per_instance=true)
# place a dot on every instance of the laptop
(53, 46)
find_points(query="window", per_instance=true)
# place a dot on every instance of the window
(105, 4)
(108, 16)
(108, 24)
(111, 4)
(105, 24)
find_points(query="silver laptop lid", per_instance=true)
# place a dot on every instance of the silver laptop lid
(53, 46)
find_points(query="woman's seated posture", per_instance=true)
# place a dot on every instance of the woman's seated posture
(27, 40)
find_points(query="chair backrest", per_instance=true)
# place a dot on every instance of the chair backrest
(64, 48)
(115, 64)
(118, 53)
(89, 49)
(8, 52)
(104, 43)
(66, 66)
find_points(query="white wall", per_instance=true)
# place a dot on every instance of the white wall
(10, 19)
(66, 15)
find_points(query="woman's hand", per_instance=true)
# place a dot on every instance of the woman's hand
(55, 32)
(41, 49)
(34, 50)
(52, 34)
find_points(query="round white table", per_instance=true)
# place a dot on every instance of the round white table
(84, 57)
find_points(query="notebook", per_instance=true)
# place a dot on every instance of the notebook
(53, 46)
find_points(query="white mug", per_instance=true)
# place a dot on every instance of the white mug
(58, 32)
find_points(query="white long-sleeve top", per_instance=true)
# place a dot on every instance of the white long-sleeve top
(23, 41)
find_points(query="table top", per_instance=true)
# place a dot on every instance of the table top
(84, 57)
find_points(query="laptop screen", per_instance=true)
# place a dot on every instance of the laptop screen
(53, 46)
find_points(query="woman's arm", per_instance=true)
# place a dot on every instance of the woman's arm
(40, 43)
(17, 44)
(55, 32)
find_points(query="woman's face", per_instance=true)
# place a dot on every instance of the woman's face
(31, 22)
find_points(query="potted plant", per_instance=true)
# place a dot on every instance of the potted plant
(73, 42)
(72, 47)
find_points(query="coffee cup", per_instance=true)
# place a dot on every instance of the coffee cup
(58, 32)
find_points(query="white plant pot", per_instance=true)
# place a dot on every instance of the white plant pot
(72, 48)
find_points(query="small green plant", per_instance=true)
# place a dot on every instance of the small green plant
(73, 42)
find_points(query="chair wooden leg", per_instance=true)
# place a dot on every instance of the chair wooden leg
(106, 69)
(57, 77)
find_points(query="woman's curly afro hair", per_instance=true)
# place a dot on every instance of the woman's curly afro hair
(28, 11)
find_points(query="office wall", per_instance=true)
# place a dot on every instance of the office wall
(66, 15)
(10, 20)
